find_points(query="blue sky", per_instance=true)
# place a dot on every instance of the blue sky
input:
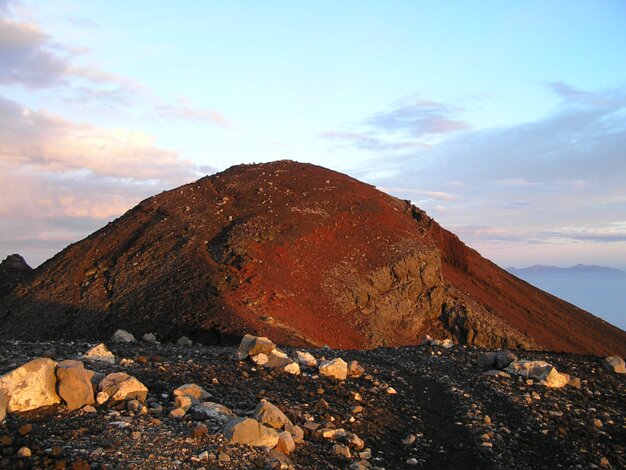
(506, 121)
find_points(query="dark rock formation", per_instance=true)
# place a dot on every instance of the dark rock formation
(298, 253)
(13, 271)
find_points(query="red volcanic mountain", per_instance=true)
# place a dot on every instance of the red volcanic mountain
(298, 253)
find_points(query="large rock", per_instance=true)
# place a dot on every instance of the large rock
(99, 353)
(286, 444)
(266, 413)
(251, 345)
(31, 386)
(615, 364)
(122, 336)
(305, 359)
(336, 368)
(249, 431)
(4, 400)
(277, 359)
(539, 370)
(121, 386)
(496, 360)
(192, 390)
(210, 410)
(74, 384)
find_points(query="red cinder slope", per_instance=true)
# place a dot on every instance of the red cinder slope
(297, 252)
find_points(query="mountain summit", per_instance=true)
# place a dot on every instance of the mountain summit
(296, 252)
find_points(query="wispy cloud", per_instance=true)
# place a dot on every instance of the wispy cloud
(407, 124)
(418, 118)
(184, 110)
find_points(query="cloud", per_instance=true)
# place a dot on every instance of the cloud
(28, 57)
(367, 141)
(46, 142)
(437, 195)
(419, 118)
(183, 110)
(408, 124)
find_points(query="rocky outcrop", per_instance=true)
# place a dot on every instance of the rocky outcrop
(13, 271)
(294, 252)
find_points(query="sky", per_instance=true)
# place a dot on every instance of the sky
(505, 121)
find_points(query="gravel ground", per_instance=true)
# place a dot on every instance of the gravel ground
(445, 415)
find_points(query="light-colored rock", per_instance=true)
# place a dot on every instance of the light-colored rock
(74, 384)
(539, 370)
(342, 450)
(285, 444)
(249, 431)
(177, 413)
(296, 432)
(149, 338)
(184, 341)
(292, 368)
(102, 398)
(355, 369)
(270, 415)
(447, 343)
(121, 386)
(122, 336)
(277, 359)
(193, 391)
(31, 386)
(391, 391)
(615, 364)
(24, 453)
(4, 400)
(356, 442)
(556, 379)
(336, 368)
(305, 359)
(100, 353)
(252, 345)
(184, 402)
(260, 359)
(213, 411)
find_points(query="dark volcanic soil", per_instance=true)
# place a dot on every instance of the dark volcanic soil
(296, 252)
(442, 399)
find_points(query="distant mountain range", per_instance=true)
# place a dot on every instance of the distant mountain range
(600, 290)
(579, 269)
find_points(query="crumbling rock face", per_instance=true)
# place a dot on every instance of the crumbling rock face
(398, 300)
(472, 324)
(294, 252)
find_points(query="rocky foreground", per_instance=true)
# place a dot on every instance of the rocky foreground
(150, 405)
